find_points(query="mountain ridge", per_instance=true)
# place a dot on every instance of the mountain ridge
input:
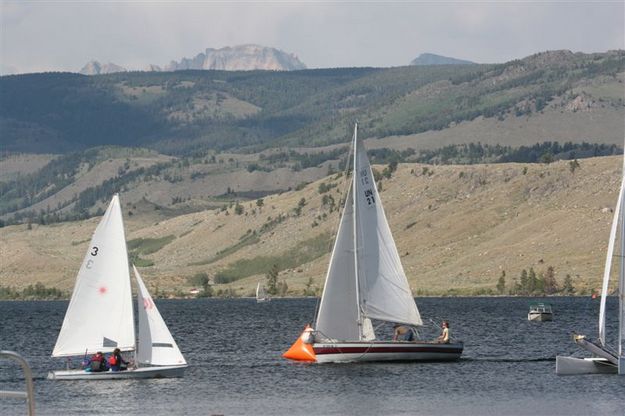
(434, 59)
(248, 57)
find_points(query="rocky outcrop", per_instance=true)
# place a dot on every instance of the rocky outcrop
(432, 59)
(96, 68)
(236, 58)
(240, 58)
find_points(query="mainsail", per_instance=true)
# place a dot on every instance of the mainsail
(99, 316)
(156, 345)
(365, 279)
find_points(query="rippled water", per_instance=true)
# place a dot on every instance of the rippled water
(234, 346)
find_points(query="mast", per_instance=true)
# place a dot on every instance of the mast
(355, 214)
(621, 286)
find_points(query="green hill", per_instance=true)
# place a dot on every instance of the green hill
(189, 111)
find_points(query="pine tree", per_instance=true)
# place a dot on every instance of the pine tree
(501, 284)
(567, 286)
(524, 283)
(272, 280)
(532, 281)
(551, 285)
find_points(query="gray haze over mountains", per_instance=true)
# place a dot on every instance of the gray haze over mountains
(236, 58)
(323, 34)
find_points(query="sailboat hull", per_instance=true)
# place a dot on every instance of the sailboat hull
(567, 366)
(386, 351)
(141, 372)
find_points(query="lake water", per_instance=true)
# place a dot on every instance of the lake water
(233, 348)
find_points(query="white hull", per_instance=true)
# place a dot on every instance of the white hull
(386, 351)
(576, 366)
(539, 317)
(141, 372)
(263, 300)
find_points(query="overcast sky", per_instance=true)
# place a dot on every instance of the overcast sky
(63, 35)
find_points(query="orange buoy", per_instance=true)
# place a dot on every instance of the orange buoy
(302, 349)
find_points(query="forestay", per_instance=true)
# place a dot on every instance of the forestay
(99, 316)
(156, 345)
(384, 290)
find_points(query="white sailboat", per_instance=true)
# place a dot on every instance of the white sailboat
(365, 282)
(100, 313)
(261, 294)
(605, 358)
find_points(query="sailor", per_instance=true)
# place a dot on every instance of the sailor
(117, 362)
(444, 337)
(97, 363)
(403, 333)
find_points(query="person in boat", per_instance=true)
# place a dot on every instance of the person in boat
(444, 337)
(117, 362)
(97, 363)
(403, 333)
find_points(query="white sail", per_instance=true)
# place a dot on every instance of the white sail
(608, 260)
(99, 316)
(258, 291)
(384, 290)
(156, 345)
(338, 311)
(365, 279)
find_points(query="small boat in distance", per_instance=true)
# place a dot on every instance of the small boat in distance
(605, 358)
(261, 294)
(540, 312)
(365, 282)
(100, 313)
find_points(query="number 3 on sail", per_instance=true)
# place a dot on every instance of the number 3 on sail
(365, 281)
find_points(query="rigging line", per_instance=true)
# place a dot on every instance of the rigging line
(340, 208)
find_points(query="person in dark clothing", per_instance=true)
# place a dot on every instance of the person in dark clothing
(117, 362)
(403, 333)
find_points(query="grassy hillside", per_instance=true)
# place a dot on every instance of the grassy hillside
(186, 112)
(457, 228)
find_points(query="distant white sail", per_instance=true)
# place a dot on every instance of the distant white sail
(338, 312)
(384, 290)
(156, 345)
(99, 316)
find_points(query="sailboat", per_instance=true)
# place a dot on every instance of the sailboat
(261, 294)
(605, 358)
(100, 313)
(365, 281)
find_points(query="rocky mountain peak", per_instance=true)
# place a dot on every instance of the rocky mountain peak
(96, 68)
(240, 58)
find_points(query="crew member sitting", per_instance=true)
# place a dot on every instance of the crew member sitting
(97, 363)
(117, 362)
(403, 333)
(444, 337)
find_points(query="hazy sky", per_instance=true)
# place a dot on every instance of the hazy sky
(64, 35)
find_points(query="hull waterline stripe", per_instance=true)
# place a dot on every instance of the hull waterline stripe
(374, 349)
